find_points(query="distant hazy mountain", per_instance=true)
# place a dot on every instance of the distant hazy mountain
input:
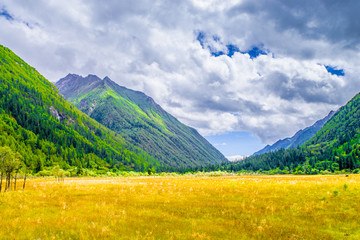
(138, 119)
(298, 139)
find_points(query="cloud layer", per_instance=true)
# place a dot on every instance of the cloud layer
(154, 46)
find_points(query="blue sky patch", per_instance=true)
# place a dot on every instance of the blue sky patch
(217, 54)
(232, 49)
(335, 71)
(236, 143)
(255, 52)
(6, 14)
(205, 42)
(216, 38)
(201, 38)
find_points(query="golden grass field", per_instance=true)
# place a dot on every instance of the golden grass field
(234, 207)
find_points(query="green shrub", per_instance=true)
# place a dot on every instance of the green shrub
(44, 173)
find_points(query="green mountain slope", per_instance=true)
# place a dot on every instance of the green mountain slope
(139, 120)
(47, 130)
(339, 140)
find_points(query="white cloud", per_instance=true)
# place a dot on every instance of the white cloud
(236, 158)
(152, 46)
(220, 144)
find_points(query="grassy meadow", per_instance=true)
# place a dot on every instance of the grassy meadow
(189, 207)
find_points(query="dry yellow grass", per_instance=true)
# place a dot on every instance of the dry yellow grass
(251, 207)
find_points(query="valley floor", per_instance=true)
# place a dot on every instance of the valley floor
(249, 207)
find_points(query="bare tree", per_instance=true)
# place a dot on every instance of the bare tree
(19, 159)
(1, 169)
(25, 174)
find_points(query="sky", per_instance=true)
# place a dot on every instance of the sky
(244, 73)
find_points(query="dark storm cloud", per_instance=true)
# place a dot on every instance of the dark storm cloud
(229, 105)
(305, 89)
(315, 92)
(278, 83)
(333, 20)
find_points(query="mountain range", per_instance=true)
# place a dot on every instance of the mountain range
(37, 122)
(118, 129)
(139, 120)
(298, 139)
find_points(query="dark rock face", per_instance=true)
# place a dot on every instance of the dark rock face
(56, 114)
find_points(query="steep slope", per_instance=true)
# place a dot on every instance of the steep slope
(298, 139)
(47, 130)
(339, 139)
(139, 120)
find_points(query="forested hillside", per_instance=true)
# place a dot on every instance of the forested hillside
(141, 121)
(339, 140)
(47, 130)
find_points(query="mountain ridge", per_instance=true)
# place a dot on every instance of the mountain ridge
(140, 120)
(298, 139)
